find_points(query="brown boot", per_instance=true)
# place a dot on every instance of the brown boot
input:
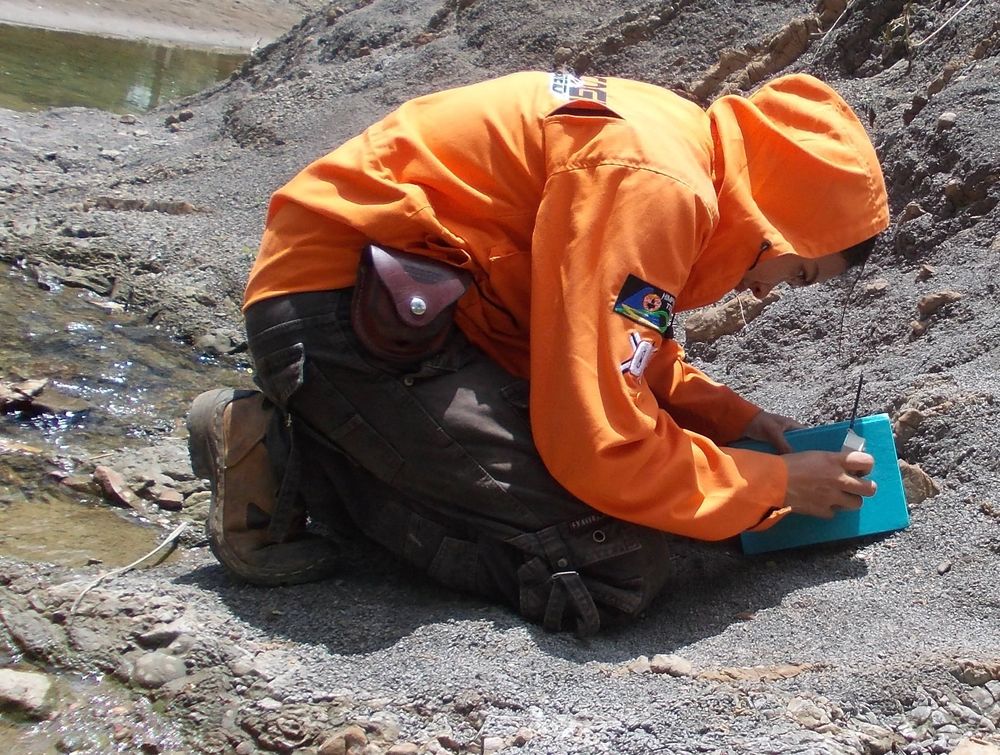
(226, 439)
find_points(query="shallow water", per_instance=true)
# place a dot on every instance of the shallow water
(40, 68)
(136, 383)
(102, 717)
(136, 380)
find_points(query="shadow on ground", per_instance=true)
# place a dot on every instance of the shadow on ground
(378, 601)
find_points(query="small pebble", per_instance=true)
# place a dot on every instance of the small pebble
(946, 120)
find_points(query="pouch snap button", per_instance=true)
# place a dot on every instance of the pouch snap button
(418, 306)
(599, 536)
(562, 563)
(408, 381)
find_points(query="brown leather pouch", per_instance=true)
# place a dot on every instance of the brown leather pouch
(403, 304)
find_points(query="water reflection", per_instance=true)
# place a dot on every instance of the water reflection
(40, 68)
(137, 381)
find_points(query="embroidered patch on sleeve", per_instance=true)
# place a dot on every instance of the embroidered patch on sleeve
(646, 304)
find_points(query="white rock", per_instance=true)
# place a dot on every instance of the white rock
(27, 691)
(671, 664)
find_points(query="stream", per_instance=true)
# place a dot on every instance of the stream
(126, 383)
(111, 387)
(40, 68)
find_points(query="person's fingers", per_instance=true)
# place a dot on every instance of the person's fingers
(850, 503)
(859, 463)
(857, 486)
(781, 445)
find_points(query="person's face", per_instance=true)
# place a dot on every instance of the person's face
(790, 269)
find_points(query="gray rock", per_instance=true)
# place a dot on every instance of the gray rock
(87, 640)
(947, 120)
(919, 715)
(939, 717)
(164, 634)
(35, 636)
(383, 726)
(153, 670)
(978, 699)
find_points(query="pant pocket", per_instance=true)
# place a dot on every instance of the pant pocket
(281, 373)
(360, 442)
(456, 565)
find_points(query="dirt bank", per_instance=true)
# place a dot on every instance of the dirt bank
(883, 645)
(239, 25)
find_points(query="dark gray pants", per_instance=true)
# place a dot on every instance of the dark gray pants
(437, 464)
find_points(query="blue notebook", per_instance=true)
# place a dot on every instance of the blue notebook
(884, 512)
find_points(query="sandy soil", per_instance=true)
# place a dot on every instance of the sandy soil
(217, 24)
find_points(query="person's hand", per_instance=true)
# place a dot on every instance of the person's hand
(821, 483)
(770, 428)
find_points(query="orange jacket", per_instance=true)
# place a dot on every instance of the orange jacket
(588, 210)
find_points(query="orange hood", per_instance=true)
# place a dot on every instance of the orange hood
(795, 173)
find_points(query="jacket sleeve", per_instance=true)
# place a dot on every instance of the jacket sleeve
(598, 426)
(695, 401)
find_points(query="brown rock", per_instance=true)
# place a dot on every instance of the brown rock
(346, 741)
(403, 748)
(954, 190)
(924, 273)
(523, 736)
(941, 81)
(876, 287)
(911, 211)
(917, 484)
(757, 673)
(165, 498)
(976, 672)
(725, 319)
(115, 488)
(80, 483)
(917, 329)
(975, 746)
(906, 425)
(449, 742)
(931, 303)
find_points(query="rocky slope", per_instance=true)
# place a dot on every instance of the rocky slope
(885, 645)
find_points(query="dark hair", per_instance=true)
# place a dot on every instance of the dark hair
(855, 256)
(859, 253)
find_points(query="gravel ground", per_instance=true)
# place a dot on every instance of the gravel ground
(889, 644)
